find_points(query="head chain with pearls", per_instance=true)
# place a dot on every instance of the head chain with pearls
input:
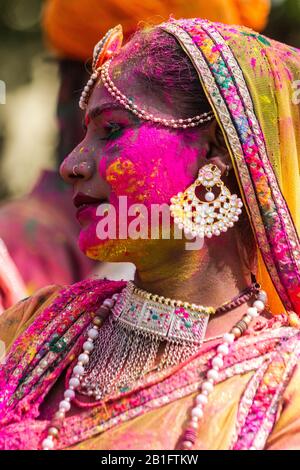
(103, 56)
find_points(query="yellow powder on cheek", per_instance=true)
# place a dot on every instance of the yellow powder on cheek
(122, 177)
(110, 251)
(156, 168)
(126, 250)
(118, 168)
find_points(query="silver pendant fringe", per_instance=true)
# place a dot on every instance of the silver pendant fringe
(123, 355)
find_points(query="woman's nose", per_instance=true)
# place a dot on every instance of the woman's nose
(71, 170)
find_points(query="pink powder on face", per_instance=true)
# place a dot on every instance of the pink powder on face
(149, 165)
(88, 236)
(152, 164)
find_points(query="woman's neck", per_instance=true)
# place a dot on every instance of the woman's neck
(209, 277)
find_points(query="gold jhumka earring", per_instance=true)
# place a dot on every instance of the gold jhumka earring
(215, 214)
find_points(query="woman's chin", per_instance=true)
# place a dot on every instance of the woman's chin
(88, 239)
(109, 250)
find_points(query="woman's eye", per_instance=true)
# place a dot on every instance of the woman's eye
(112, 131)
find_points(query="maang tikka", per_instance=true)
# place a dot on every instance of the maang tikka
(215, 214)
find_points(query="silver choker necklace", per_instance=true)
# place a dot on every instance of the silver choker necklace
(142, 333)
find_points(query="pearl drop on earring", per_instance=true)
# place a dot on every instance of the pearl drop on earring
(209, 196)
(212, 216)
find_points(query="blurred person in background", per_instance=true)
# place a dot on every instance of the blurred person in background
(67, 20)
(39, 241)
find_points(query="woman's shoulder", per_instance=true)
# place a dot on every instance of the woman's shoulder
(17, 318)
(280, 385)
(270, 401)
(54, 299)
(274, 335)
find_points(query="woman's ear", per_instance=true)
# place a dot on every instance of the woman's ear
(218, 153)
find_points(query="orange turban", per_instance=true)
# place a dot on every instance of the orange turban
(73, 27)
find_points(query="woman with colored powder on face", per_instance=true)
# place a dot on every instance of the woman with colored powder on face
(201, 351)
(64, 21)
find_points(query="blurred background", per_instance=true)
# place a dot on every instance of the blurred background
(45, 51)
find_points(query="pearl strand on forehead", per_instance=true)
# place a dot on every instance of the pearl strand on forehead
(128, 104)
(190, 434)
(142, 113)
(83, 101)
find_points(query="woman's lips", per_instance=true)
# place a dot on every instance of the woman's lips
(87, 207)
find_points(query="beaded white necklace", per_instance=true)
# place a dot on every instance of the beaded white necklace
(207, 386)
